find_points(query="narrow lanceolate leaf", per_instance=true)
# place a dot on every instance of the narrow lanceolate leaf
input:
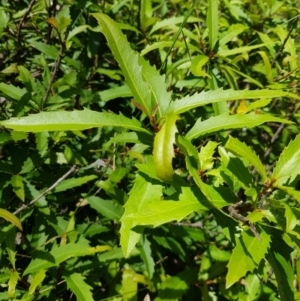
(60, 254)
(237, 50)
(12, 283)
(18, 186)
(241, 149)
(163, 212)
(212, 23)
(287, 166)
(200, 99)
(284, 274)
(128, 60)
(12, 91)
(73, 182)
(70, 121)
(36, 281)
(10, 218)
(248, 252)
(228, 122)
(79, 287)
(109, 209)
(163, 151)
(142, 194)
(160, 97)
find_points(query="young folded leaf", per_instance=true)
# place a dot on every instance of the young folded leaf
(163, 148)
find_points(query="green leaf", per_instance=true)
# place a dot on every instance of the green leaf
(227, 122)
(163, 150)
(11, 246)
(197, 64)
(36, 281)
(215, 198)
(129, 285)
(18, 186)
(163, 212)
(174, 287)
(10, 218)
(115, 92)
(291, 191)
(146, 255)
(49, 50)
(233, 31)
(109, 209)
(212, 23)
(206, 159)
(70, 121)
(27, 79)
(4, 138)
(206, 97)
(287, 166)
(239, 50)
(172, 21)
(143, 193)
(160, 98)
(12, 283)
(73, 182)
(79, 287)
(59, 254)
(279, 259)
(233, 167)
(12, 91)
(129, 62)
(129, 137)
(249, 252)
(241, 149)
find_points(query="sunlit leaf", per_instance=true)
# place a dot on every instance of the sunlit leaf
(142, 194)
(60, 254)
(128, 60)
(241, 149)
(70, 121)
(79, 287)
(249, 260)
(287, 166)
(163, 151)
(212, 23)
(227, 122)
(213, 96)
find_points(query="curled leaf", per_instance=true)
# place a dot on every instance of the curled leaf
(163, 148)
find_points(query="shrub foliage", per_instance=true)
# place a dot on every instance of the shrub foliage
(149, 150)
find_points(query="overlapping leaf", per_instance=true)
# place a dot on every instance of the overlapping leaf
(70, 121)
(248, 253)
(287, 166)
(142, 194)
(60, 254)
(241, 149)
(228, 122)
(79, 287)
(200, 99)
(146, 84)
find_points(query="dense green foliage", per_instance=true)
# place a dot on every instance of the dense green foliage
(150, 150)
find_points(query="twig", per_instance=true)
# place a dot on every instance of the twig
(234, 213)
(23, 19)
(24, 206)
(56, 67)
(279, 53)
